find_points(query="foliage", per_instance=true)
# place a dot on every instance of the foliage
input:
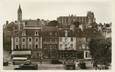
(7, 32)
(100, 50)
(53, 23)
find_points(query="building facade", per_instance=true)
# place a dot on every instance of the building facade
(67, 40)
(27, 37)
(51, 42)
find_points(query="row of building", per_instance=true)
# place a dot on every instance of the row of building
(73, 33)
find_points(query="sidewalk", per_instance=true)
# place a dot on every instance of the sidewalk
(50, 67)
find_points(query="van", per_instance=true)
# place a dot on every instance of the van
(19, 60)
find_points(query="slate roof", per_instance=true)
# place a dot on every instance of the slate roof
(32, 23)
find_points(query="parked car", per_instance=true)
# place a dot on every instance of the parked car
(27, 66)
(5, 62)
(102, 67)
(70, 65)
(56, 62)
(82, 65)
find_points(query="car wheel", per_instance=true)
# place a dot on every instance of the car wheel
(13, 63)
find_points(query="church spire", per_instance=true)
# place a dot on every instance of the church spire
(19, 13)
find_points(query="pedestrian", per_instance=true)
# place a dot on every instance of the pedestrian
(95, 65)
(40, 61)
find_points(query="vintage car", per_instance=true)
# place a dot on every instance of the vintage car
(69, 65)
(27, 66)
(82, 65)
(5, 62)
(56, 62)
(100, 67)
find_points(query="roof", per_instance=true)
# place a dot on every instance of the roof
(32, 23)
(21, 53)
(19, 58)
(81, 19)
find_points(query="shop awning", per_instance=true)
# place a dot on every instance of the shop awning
(21, 53)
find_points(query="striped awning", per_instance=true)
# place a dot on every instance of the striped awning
(21, 52)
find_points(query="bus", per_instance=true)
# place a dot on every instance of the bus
(19, 60)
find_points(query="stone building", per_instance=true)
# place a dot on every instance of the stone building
(40, 41)
(67, 40)
(86, 21)
(27, 37)
(105, 29)
(50, 42)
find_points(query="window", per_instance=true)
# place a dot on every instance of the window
(36, 33)
(29, 39)
(23, 33)
(23, 46)
(65, 45)
(16, 39)
(16, 46)
(86, 54)
(23, 40)
(71, 39)
(36, 40)
(66, 33)
(36, 46)
(25, 22)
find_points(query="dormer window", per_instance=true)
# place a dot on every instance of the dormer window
(36, 33)
(23, 33)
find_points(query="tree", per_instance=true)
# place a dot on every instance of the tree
(76, 23)
(7, 33)
(100, 50)
(53, 23)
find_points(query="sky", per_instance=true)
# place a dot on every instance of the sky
(51, 9)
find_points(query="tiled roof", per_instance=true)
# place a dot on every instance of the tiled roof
(32, 23)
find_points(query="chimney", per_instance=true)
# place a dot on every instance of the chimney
(6, 22)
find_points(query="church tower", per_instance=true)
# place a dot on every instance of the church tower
(91, 18)
(19, 14)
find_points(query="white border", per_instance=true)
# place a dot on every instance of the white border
(113, 53)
